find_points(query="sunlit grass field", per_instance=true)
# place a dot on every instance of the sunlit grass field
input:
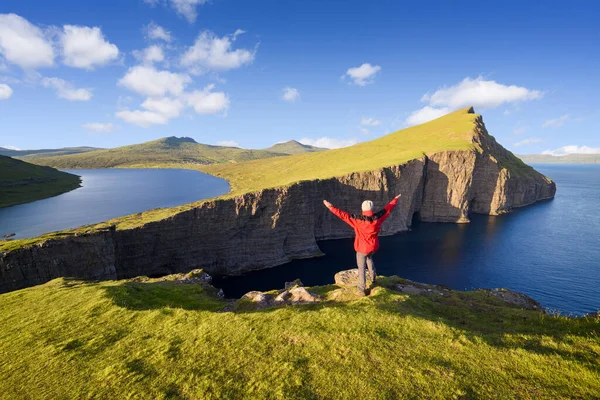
(158, 340)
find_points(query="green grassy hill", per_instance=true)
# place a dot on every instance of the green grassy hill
(157, 339)
(293, 147)
(31, 154)
(163, 151)
(21, 182)
(568, 159)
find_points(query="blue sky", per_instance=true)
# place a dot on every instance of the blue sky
(251, 73)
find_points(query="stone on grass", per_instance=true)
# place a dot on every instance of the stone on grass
(349, 278)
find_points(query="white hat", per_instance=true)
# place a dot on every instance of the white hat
(367, 205)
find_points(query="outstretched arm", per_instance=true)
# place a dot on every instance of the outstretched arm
(343, 215)
(389, 207)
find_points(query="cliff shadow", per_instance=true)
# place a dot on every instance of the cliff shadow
(443, 196)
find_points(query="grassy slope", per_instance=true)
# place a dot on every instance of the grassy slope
(568, 159)
(21, 182)
(30, 154)
(122, 339)
(293, 147)
(166, 150)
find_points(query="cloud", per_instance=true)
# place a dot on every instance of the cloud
(85, 47)
(572, 149)
(369, 121)
(150, 54)
(211, 52)
(157, 32)
(363, 75)
(528, 141)
(187, 8)
(148, 81)
(142, 118)
(66, 90)
(519, 131)
(479, 93)
(426, 114)
(208, 102)
(365, 131)
(24, 44)
(557, 122)
(5, 91)
(169, 108)
(98, 127)
(228, 143)
(290, 94)
(10, 147)
(328, 143)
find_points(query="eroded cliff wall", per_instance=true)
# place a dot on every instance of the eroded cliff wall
(270, 227)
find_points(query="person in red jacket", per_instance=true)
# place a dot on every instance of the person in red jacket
(366, 228)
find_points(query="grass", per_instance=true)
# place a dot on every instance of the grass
(293, 147)
(21, 182)
(160, 339)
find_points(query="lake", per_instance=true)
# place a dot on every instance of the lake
(107, 194)
(549, 251)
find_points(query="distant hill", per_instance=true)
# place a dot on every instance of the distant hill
(21, 182)
(29, 154)
(568, 159)
(293, 147)
(162, 151)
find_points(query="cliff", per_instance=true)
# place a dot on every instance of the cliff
(271, 226)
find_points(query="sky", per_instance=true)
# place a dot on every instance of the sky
(108, 73)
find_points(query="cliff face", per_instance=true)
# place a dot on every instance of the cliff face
(272, 226)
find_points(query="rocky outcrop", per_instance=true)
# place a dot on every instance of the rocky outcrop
(273, 226)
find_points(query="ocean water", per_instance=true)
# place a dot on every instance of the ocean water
(549, 251)
(109, 193)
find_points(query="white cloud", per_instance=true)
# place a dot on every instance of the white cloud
(528, 141)
(556, 123)
(170, 108)
(519, 131)
(66, 90)
(365, 131)
(364, 74)
(187, 8)
(369, 121)
(208, 102)
(142, 118)
(572, 149)
(150, 54)
(211, 52)
(228, 143)
(98, 127)
(290, 94)
(24, 44)
(328, 143)
(480, 93)
(426, 114)
(85, 47)
(157, 32)
(5, 91)
(147, 81)
(10, 147)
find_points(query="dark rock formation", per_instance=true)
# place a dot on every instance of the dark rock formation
(273, 226)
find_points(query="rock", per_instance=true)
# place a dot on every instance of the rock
(300, 295)
(221, 294)
(515, 298)
(296, 282)
(257, 297)
(9, 235)
(409, 289)
(349, 278)
(196, 276)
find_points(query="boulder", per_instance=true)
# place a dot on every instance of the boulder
(257, 297)
(299, 294)
(515, 298)
(295, 282)
(349, 278)
(195, 276)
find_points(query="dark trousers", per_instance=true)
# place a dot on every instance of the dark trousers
(363, 260)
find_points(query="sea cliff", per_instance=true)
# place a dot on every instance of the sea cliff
(269, 227)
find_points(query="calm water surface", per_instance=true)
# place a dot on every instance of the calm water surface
(550, 251)
(109, 193)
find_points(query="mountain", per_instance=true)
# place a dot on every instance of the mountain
(21, 182)
(170, 150)
(293, 147)
(30, 154)
(568, 159)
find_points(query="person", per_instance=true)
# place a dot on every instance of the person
(366, 228)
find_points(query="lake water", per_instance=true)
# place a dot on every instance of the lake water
(549, 251)
(107, 194)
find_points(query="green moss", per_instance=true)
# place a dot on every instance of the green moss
(161, 339)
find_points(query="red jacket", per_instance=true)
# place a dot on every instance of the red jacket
(366, 226)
